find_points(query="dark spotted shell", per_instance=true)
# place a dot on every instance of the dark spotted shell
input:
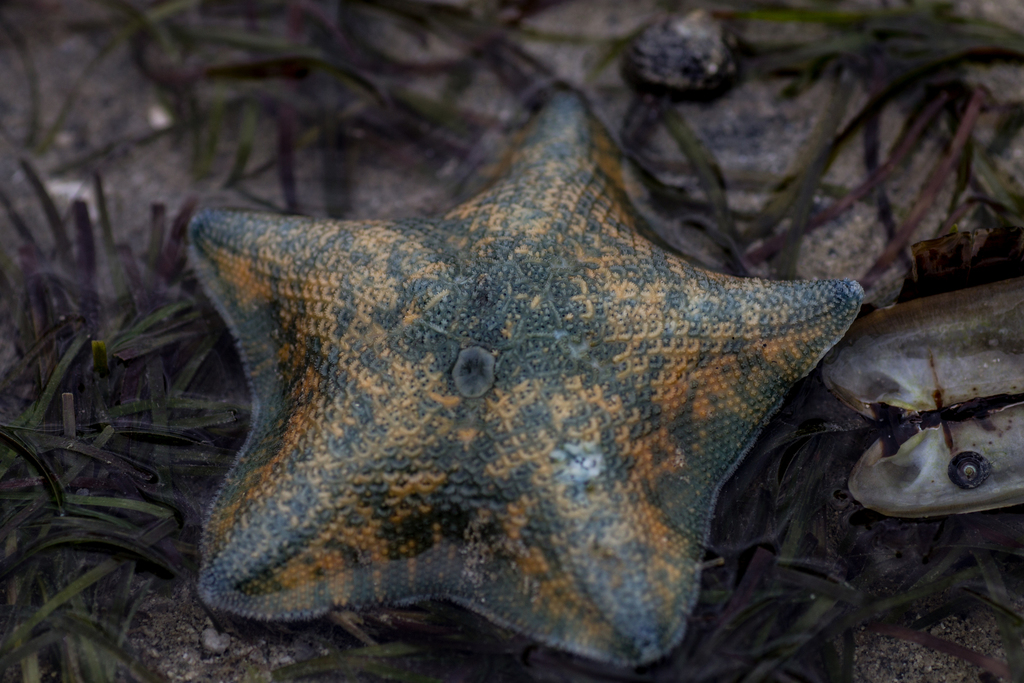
(685, 56)
(965, 259)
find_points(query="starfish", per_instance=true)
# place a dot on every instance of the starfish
(523, 406)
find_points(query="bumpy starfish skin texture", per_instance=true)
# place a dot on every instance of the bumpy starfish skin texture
(523, 406)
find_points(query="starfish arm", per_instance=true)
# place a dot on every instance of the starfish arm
(300, 295)
(564, 179)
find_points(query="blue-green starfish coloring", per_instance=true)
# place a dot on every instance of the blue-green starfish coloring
(522, 406)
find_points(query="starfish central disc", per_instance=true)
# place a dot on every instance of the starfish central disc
(523, 406)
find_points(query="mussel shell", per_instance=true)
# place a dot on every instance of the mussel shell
(934, 352)
(957, 467)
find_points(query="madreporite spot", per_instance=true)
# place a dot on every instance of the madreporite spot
(473, 372)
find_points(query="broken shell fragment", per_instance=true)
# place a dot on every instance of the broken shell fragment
(934, 352)
(957, 467)
(947, 371)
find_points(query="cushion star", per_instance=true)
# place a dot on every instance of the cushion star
(522, 406)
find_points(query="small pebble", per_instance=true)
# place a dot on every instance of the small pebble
(215, 642)
(159, 118)
(684, 56)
